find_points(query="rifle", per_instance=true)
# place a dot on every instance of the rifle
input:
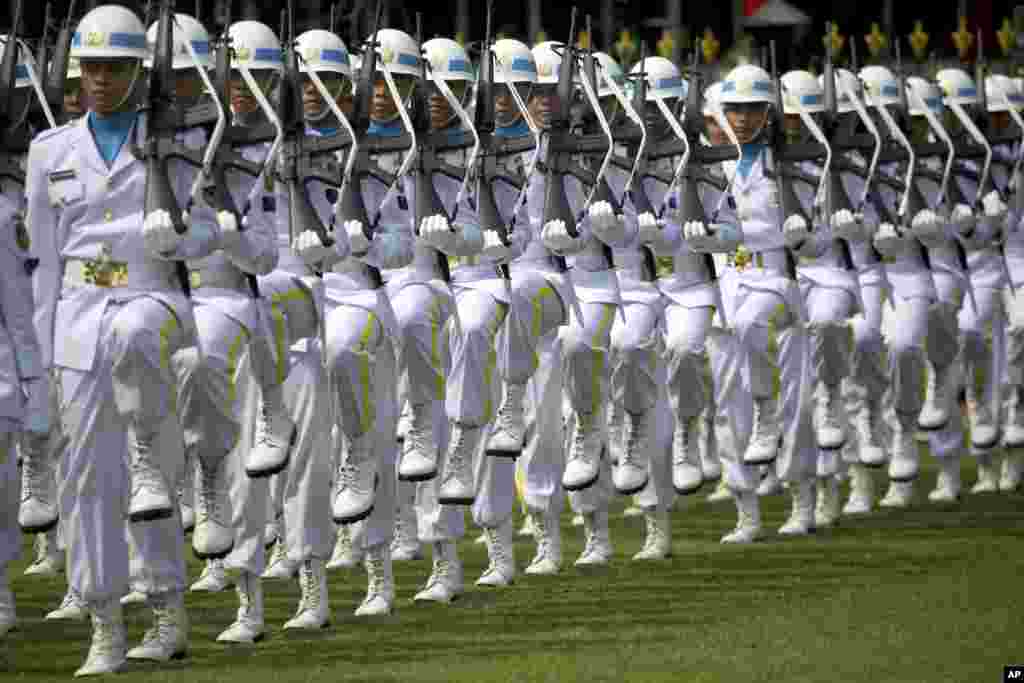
(55, 65)
(12, 123)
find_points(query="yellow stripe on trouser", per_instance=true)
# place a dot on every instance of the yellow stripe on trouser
(776, 320)
(435, 347)
(166, 330)
(607, 316)
(280, 331)
(233, 352)
(369, 412)
(537, 304)
(501, 310)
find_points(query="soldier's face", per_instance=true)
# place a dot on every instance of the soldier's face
(747, 120)
(384, 108)
(794, 127)
(542, 104)
(999, 120)
(313, 104)
(441, 111)
(242, 99)
(73, 105)
(716, 136)
(506, 113)
(188, 87)
(108, 83)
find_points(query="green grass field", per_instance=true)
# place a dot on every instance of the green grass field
(933, 593)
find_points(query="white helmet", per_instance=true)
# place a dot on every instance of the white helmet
(548, 62)
(712, 99)
(608, 68)
(748, 84)
(321, 50)
(880, 86)
(957, 87)
(927, 91)
(109, 32)
(802, 89)
(398, 51)
(448, 60)
(255, 46)
(1001, 92)
(663, 78)
(517, 58)
(21, 79)
(184, 28)
(850, 84)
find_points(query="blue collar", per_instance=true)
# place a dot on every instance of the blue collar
(516, 130)
(386, 130)
(751, 151)
(118, 122)
(326, 131)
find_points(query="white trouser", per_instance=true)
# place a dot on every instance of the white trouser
(943, 350)
(686, 337)
(983, 346)
(637, 368)
(293, 356)
(771, 340)
(421, 311)
(130, 380)
(361, 360)
(735, 415)
(1013, 308)
(659, 494)
(828, 310)
(10, 499)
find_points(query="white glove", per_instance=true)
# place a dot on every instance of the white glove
(37, 407)
(357, 241)
(850, 226)
(963, 219)
(437, 233)
(494, 249)
(608, 226)
(556, 237)
(229, 232)
(649, 229)
(927, 228)
(159, 235)
(795, 230)
(888, 241)
(994, 206)
(310, 249)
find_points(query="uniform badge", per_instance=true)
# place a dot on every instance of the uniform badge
(21, 234)
(95, 39)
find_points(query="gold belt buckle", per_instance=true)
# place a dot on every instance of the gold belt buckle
(741, 258)
(103, 272)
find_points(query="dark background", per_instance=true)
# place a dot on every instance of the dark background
(511, 18)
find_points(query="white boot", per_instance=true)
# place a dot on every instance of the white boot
(904, 464)
(272, 531)
(345, 555)
(1013, 430)
(577, 520)
(8, 618)
(947, 485)
(1013, 468)
(748, 526)
(314, 611)
(405, 547)
(280, 566)
(721, 493)
(49, 559)
(861, 491)
(828, 418)
(356, 479)
(419, 448)
(525, 531)
(616, 434)
(457, 484)
(826, 508)
(631, 475)
(935, 412)
(445, 582)
(72, 608)
(582, 467)
(984, 432)
(248, 626)
(380, 591)
(404, 421)
(187, 494)
(167, 639)
(899, 495)
(801, 518)
(770, 484)
(151, 498)
(687, 474)
(548, 559)
(502, 568)
(988, 475)
(106, 653)
(658, 539)
(710, 465)
(38, 511)
(868, 424)
(628, 512)
(275, 436)
(134, 598)
(214, 536)
(765, 435)
(213, 579)
(508, 433)
(598, 547)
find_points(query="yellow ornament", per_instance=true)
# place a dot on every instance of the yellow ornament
(541, 38)
(1007, 37)
(583, 40)
(625, 47)
(963, 39)
(837, 39)
(876, 41)
(709, 46)
(666, 43)
(460, 38)
(918, 40)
